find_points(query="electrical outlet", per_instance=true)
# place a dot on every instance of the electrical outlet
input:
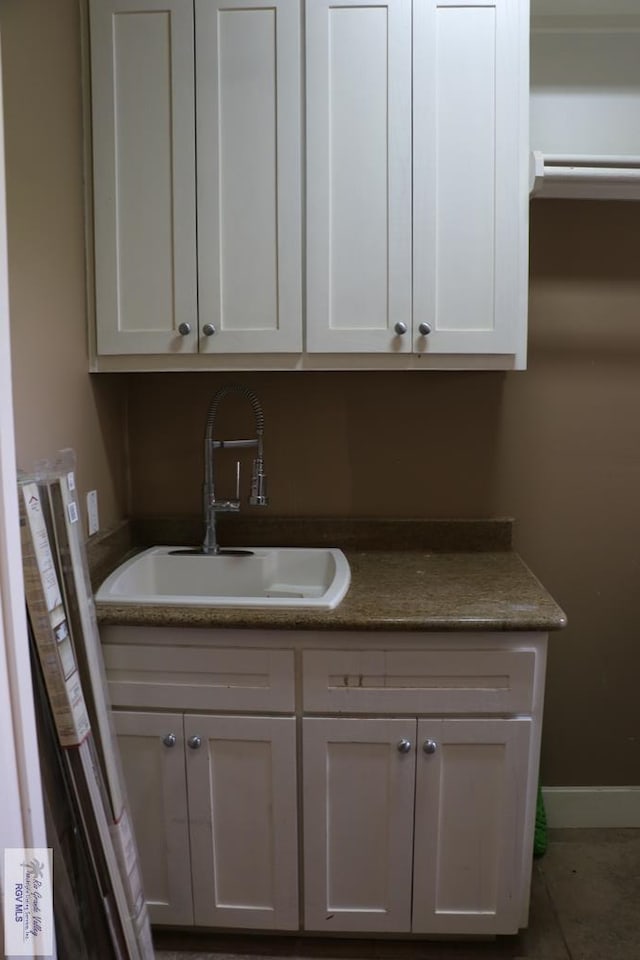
(92, 512)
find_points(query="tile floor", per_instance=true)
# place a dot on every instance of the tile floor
(585, 905)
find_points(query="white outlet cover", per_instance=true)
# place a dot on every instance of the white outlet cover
(92, 512)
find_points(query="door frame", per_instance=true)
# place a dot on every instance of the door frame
(22, 823)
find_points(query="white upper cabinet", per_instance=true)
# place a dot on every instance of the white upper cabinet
(408, 232)
(249, 219)
(470, 241)
(585, 98)
(358, 83)
(244, 112)
(144, 176)
(453, 131)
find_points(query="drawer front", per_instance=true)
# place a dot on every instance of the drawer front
(200, 678)
(418, 681)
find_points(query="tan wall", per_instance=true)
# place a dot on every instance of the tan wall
(557, 447)
(56, 403)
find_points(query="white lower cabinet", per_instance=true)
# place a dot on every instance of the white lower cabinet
(152, 754)
(243, 825)
(430, 806)
(409, 761)
(471, 803)
(213, 803)
(358, 823)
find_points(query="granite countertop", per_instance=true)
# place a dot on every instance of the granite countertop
(434, 578)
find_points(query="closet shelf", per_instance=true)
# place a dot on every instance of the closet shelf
(584, 177)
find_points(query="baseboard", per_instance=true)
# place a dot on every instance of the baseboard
(592, 806)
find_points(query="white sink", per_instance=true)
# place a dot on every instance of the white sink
(267, 577)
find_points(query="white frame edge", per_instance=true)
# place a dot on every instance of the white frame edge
(22, 823)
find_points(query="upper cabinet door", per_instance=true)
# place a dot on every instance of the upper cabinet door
(249, 200)
(470, 196)
(358, 76)
(144, 176)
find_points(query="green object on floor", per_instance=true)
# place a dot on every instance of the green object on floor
(540, 833)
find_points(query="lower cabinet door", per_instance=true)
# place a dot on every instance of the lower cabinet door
(358, 789)
(241, 777)
(471, 793)
(152, 755)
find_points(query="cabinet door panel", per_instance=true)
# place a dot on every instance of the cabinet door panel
(469, 196)
(358, 824)
(470, 807)
(249, 200)
(358, 73)
(156, 791)
(144, 175)
(242, 807)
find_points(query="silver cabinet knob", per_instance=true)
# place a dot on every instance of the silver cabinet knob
(184, 329)
(169, 740)
(404, 746)
(400, 328)
(194, 742)
(429, 746)
(424, 329)
(208, 329)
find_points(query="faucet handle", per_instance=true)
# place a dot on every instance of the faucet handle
(258, 496)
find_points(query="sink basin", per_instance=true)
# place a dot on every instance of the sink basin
(291, 577)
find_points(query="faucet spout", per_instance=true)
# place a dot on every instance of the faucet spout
(258, 491)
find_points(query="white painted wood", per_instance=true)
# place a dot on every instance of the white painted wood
(22, 823)
(144, 175)
(469, 219)
(242, 808)
(585, 97)
(156, 789)
(249, 191)
(436, 681)
(526, 841)
(200, 678)
(584, 178)
(469, 169)
(358, 824)
(470, 804)
(357, 803)
(358, 97)
(593, 807)
(309, 361)
(585, 86)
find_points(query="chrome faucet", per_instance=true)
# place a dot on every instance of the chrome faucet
(258, 492)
